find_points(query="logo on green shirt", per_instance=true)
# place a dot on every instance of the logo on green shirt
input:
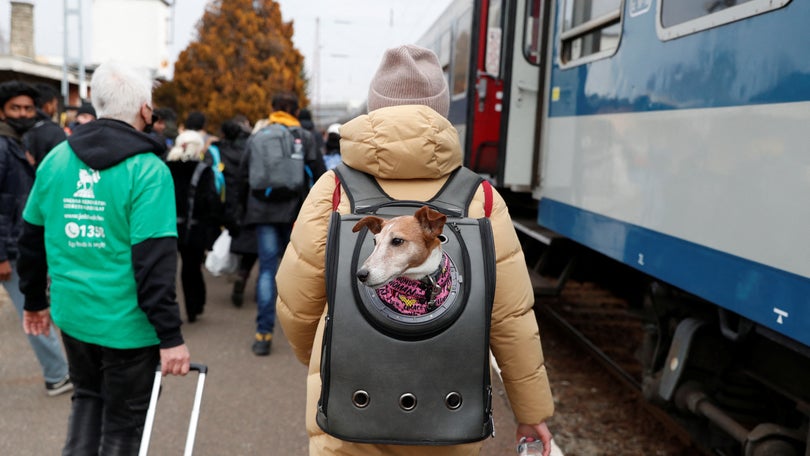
(87, 178)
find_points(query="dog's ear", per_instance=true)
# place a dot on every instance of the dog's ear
(374, 224)
(432, 221)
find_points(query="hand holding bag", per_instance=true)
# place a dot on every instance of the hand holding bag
(220, 260)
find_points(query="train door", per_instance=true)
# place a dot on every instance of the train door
(486, 91)
(524, 60)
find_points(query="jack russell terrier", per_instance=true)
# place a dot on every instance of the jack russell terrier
(407, 268)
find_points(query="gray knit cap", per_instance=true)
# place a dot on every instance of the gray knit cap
(409, 75)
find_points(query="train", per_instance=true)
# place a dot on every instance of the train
(668, 141)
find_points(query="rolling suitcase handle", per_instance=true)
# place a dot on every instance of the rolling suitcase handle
(202, 369)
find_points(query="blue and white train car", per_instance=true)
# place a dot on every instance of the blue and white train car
(672, 136)
(675, 138)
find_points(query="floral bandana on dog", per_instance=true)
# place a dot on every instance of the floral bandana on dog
(418, 297)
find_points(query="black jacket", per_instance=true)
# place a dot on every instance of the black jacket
(207, 216)
(230, 152)
(16, 179)
(43, 137)
(243, 238)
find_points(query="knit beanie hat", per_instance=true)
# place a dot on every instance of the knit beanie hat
(407, 75)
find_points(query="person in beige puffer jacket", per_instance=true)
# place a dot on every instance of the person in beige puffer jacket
(409, 146)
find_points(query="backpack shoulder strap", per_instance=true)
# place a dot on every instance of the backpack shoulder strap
(459, 190)
(218, 167)
(195, 177)
(362, 189)
(192, 192)
(487, 197)
(215, 154)
(297, 132)
(365, 194)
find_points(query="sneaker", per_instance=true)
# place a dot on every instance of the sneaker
(62, 386)
(261, 347)
(238, 294)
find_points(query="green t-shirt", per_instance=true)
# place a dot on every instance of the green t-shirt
(92, 219)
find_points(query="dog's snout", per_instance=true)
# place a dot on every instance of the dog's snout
(362, 275)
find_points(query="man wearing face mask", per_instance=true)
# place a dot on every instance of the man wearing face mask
(101, 221)
(17, 115)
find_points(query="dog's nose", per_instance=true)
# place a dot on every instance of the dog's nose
(362, 275)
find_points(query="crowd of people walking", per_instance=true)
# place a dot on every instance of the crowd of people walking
(126, 187)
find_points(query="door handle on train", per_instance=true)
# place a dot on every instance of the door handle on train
(522, 86)
(481, 88)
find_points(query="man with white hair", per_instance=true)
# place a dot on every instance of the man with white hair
(100, 221)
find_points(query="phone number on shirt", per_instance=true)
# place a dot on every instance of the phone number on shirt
(74, 230)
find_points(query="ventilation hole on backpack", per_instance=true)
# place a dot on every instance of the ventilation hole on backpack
(453, 400)
(442, 239)
(407, 402)
(360, 399)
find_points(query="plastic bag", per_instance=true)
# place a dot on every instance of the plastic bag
(220, 260)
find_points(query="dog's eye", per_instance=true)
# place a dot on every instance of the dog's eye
(397, 241)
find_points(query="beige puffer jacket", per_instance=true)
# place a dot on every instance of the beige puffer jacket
(410, 150)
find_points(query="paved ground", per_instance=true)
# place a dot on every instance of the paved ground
(251, 405)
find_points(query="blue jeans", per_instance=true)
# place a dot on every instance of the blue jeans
(48, 349)
(272, 239)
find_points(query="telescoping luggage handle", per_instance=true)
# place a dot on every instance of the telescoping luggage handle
(202, 370)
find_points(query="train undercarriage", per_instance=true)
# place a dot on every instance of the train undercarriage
(735, 387)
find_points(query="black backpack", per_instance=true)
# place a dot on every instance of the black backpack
(414, 380)
(189, 220)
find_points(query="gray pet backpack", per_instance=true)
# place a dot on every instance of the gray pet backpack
(391, 378)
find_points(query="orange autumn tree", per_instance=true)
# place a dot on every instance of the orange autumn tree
(242, 56)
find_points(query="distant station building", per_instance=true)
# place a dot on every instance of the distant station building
(135, 31)
(138, 30)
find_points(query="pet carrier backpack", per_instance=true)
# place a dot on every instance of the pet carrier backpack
(402, 379)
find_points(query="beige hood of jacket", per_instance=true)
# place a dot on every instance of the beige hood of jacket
(410, 150)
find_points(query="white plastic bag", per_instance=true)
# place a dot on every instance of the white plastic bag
(220, 260)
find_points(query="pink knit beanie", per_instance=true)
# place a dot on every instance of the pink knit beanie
(409, 75)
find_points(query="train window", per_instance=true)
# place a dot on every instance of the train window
(683, 17)
(591, 30)
(461, 53)
(532, 32)
(492, 65)
(444, 53)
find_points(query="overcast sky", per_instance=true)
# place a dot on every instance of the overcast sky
(353, 35)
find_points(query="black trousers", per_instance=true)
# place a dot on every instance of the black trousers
(111, 390)
(192, 255)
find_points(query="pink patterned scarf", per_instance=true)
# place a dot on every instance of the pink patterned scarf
(418, 297)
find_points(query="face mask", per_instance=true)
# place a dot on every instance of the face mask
(22, 124)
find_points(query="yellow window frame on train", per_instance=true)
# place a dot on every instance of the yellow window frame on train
(712, 18)
(576, 34)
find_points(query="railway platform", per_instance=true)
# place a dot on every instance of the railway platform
(251, 405)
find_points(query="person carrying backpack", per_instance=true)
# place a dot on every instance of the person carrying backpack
(280, 161)
(232, 144)
(410, 149)
(199, 215)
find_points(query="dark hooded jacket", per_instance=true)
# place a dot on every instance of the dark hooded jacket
(16, 178)
(232, 147)
(43, 136)
(100, 145)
